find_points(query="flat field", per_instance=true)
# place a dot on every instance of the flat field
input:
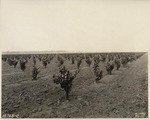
(124, 94)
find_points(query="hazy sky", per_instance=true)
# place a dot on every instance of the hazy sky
(75, 25)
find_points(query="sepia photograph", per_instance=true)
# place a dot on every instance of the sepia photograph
(82, 59)
(75, 85)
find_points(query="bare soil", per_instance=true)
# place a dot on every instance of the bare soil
(124, 94)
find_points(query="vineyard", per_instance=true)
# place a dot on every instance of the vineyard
(73, 85)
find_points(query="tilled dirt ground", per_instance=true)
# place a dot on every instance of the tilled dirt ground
(124, 94)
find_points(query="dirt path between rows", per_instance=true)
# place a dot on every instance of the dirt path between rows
(122, 95)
